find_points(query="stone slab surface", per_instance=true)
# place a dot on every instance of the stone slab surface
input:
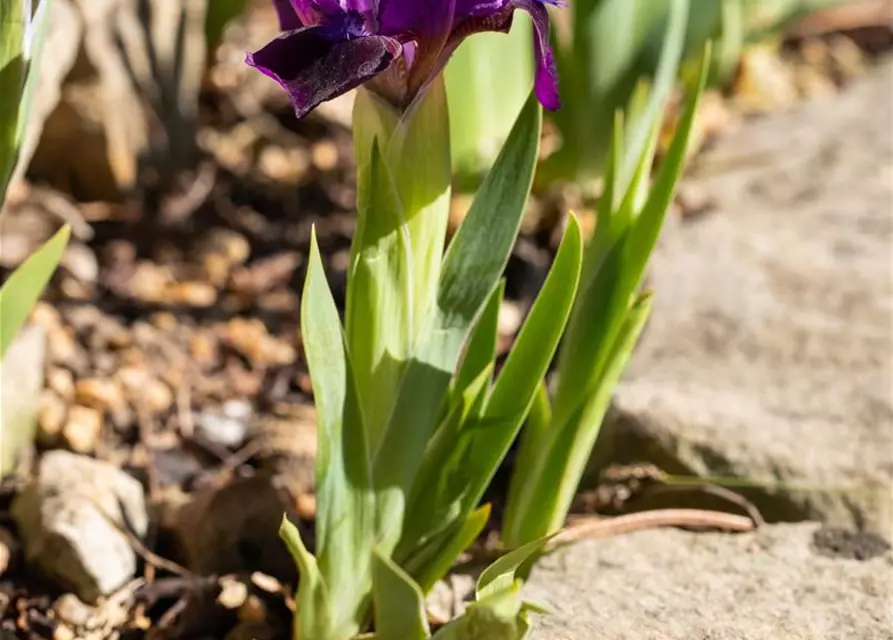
(667, 584)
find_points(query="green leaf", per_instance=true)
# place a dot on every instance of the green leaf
(644, 233)
(399, 603)
(501, 573)
(418, 156)
(345, 519)
(449, 546)
(472, 267)
(499, 616)
(591, 360)
(22, 38)
(379, 312)
(480, 250)
(463, 464)
(313, 618)
(481, 347)
(26, 284)
(541, 490)
(534, 435)
(434, 506)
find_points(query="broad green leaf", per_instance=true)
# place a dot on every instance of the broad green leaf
(481, 347)
(467, 461)
(501, 573)
(449, 546)
(418, 156)
(26, 284)
(378, 316)
(434, 507)
(399, 603)
(534, 435)
(479, 252)
(541, 491)
(345, 515)
(472, 267)
(313, 618)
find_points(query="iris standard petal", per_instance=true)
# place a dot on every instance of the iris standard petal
(288, 15)
(312, 68)
(422, 20)
(427, 24)
(477, 8)
(546, 80)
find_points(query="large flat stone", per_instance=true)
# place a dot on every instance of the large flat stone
(769, 353)
(672, 585)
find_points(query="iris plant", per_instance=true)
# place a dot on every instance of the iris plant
(412, 419)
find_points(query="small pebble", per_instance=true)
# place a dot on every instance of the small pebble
(144, 388)
(265, 582)
(100, 394)
(250, 338)
(80, 260)
(192, 294)
(69, 608)
(62, 382)
(50, 417)
(233, 593)
(227, 426)
(150, 282)
(324, 155)
(82, 429)
(63, 632)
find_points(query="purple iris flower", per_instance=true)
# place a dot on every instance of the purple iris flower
(331, 46)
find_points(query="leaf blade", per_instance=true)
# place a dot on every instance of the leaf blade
(26, 284)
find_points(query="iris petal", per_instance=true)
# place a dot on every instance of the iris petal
(288, 15)
(312, 68)
(546, 80)
(425, 20)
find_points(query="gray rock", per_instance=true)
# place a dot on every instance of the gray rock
(667, 584)
(70, 518)
(768, 353)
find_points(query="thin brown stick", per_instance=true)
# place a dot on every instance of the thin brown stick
(715, 490)
(594, 528)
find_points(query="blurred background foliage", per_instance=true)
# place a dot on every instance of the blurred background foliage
(604, 50)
